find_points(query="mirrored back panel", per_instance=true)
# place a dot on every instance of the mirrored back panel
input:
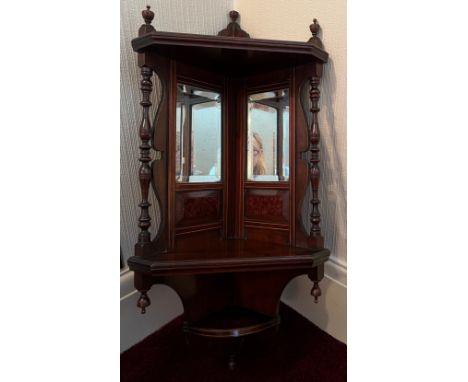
(198, 135)
(268, 136)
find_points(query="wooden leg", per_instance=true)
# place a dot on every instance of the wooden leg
(234, 350)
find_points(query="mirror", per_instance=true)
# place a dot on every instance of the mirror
(268, 136)
(198, 135)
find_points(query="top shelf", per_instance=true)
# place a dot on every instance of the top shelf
(233, 54)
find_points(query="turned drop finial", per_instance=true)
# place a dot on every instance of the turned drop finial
(143, 302)
(316, 292)
(315, 29)
(234, 15)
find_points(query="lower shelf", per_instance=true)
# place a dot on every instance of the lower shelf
(234, 255)
(231, 321)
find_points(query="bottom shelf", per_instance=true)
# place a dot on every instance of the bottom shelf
(231, 321)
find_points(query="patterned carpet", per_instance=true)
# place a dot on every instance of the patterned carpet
(298, 352)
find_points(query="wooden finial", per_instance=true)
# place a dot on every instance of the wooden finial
(234, 15)
(148, 16)
(316, 292)
(315, 276)
(143, 302)
(233, 29)
(314, 28)
(315, 40)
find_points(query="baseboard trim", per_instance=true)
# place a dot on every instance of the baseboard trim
(336, 270)
(126, 284)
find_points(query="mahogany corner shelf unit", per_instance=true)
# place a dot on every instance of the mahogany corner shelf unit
(232, 149)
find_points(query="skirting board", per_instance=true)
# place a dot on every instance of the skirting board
(329, 313)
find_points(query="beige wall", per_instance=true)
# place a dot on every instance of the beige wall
(289, 20)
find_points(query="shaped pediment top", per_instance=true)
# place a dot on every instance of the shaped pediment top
(233, 29)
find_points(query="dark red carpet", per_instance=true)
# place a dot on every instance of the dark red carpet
(298, 352)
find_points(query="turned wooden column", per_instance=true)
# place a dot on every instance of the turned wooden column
(314, 172)
(144, 221)
(145, 174)
(315, 234)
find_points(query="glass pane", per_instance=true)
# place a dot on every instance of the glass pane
(198, 135)
(268, 136)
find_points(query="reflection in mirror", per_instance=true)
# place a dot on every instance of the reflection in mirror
(268, 136)
(198, 135)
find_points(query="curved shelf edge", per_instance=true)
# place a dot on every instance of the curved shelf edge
(231, 322)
